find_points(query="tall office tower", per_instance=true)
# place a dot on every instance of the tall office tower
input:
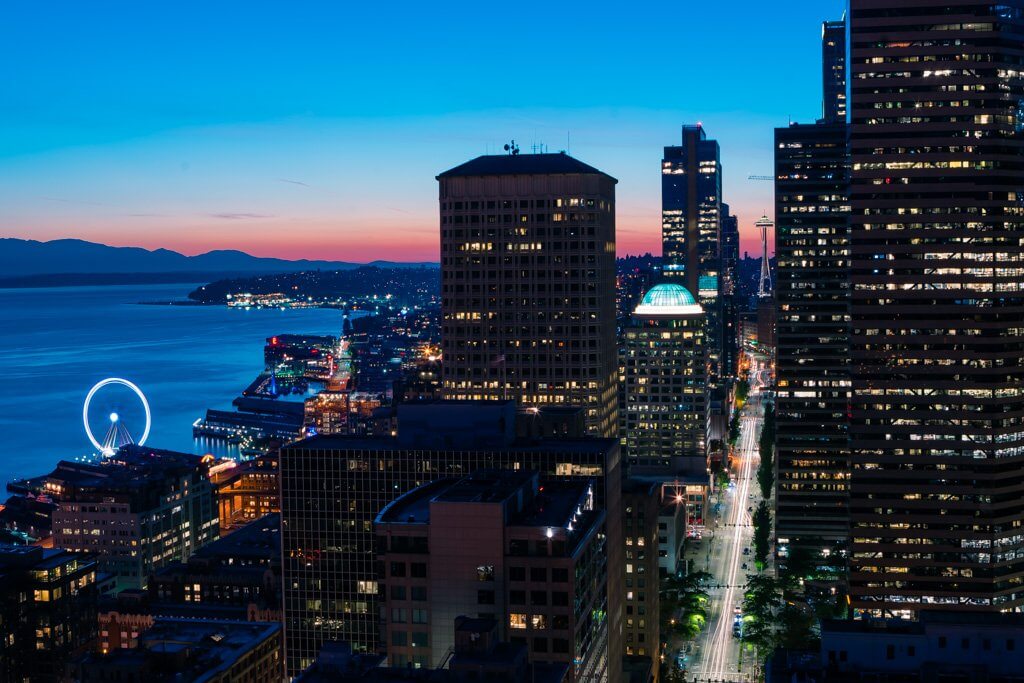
(665, 376)
(833, 71)
(691, 215)
(812, 330)
(730, 309)
(333, 487)
(937, 444)
(500, 545)
(528, 284)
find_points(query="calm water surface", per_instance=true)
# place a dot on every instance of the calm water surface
(55, 343)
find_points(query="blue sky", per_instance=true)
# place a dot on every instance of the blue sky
(316, 129)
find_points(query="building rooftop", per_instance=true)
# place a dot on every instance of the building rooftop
(343, 442)
(668, 300)
(522, 164)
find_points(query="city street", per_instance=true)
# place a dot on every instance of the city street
(717, 654)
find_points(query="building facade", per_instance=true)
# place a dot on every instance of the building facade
(47, 611)
(641, 508)
(833, 72)
(666, 421)
(528, 284)
(139, 510)
(691, 215)
(333, 488)
(937, 442)
(496, 545)
(812, 327)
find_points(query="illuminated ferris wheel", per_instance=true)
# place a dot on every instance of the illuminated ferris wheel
(117, 434)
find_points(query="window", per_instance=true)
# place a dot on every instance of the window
(485, 572)
(890, 652)
(399, 638)
(485, 597)
(559, 598)
(965, 643)
(540, 644)
(942, 641)
(419, 616)
(418, 570)
(398, 569)
(559, 645)
(516, 620)
(419, 638)
(538, 621)
(419, 593)
(398, 592)
(517, 597)
(1010, 645)
(398, 615)
(560, 575)
(538, 597)
(517, 573)
(539, 574)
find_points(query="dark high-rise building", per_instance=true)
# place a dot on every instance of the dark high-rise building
(691, 215)
(730, 298)
(528, 284)
(812, 334)
(833, 71)
(937, 441)
(332, 488)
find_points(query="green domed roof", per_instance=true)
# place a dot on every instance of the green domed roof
(668, 299)
(668, 295)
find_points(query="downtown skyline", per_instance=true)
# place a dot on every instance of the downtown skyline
(281, 138)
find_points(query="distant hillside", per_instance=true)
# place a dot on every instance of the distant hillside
(70, 261)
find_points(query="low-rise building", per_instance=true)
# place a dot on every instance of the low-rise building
(47, 611)
(246, 491)
(192, 651)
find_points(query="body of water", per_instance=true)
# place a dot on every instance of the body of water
(56, 343)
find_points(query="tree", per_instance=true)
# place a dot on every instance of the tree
(761, 600)
(766, 447)
(762, 533)
(734, 429)
(742, 390)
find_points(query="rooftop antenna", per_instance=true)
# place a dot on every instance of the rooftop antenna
(512, 148)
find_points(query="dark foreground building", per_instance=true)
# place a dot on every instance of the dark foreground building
(528, 284)
(937, 426)
(812, 298)
(334, 487)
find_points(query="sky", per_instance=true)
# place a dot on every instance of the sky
(316, 129)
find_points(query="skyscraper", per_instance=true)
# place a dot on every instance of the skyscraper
(833, 72)
(937, 442)
(730, 278)
(691, 214)
(528, 284)
(666, 408)
(812, 298)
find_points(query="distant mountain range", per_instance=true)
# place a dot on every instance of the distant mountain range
(71, 261)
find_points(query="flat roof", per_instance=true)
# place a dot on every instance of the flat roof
(522, 164)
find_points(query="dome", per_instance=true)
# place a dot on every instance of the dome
(668, 299)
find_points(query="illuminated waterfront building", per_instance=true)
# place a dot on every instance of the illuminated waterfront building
(937, 433)
(691, 214)
(246, 490)
(528, 284)
(137, 511)
(501, 545)
(666, 421)
(332, 489)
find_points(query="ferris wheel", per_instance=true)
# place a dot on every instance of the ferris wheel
(117, 434)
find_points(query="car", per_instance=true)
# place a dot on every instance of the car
(746, 551)
(744, 565)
